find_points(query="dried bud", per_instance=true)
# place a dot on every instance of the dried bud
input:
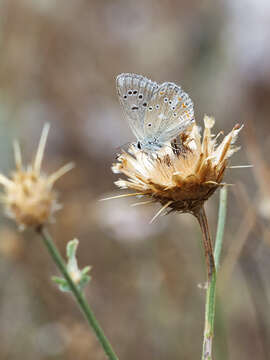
(28, 195)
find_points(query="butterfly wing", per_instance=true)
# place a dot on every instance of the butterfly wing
(135, 92)
(169, 112)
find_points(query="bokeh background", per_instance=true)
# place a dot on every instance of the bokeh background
(58, 63)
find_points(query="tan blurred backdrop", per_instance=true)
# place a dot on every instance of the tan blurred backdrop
(58, 63)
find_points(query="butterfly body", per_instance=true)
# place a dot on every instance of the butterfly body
(150, 145)
(156, 113)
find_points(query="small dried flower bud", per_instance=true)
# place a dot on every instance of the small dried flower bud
(28, 196)
(180, 178)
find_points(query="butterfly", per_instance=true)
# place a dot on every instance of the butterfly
(156, 113)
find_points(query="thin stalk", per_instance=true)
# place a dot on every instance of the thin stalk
(211, 286)
(212, 262)
(207, 243)
(78, 294)
(222, 346)
(221, 224)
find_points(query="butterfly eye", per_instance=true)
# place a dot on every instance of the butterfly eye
(149, 125)
(150, 108)
(125, 96)
(170, 102)
(140, 96)
(135, 92)
(129, 92)
(174, 114)
(173, 107)
(166, 99)
(134, 107)
(144, 104)
(139, 145)
(157, 106)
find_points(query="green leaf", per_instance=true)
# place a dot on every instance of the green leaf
(84, 280)
(65, 288)
(72, 248)
(58, 280)
(63, 284)
(85, 270)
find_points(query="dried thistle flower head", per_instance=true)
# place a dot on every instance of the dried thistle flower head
(182, 179)
(28, 196)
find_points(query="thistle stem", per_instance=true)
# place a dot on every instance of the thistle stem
(78, 294)
(221, 224)
(211, 286)
(212, 263)
(207, 243)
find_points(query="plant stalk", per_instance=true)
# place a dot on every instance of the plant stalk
(212, 263)
(207, 243)
(78, 294)
(211, 286)
(221, 224)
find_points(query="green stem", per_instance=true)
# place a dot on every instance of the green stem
(211, 271)
(84, 306)
(221, 224)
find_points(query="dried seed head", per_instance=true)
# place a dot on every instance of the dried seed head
(28, 195)
(180, 180)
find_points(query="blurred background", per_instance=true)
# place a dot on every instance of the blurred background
(58, 63)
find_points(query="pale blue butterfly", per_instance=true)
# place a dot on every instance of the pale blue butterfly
(156, 113)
